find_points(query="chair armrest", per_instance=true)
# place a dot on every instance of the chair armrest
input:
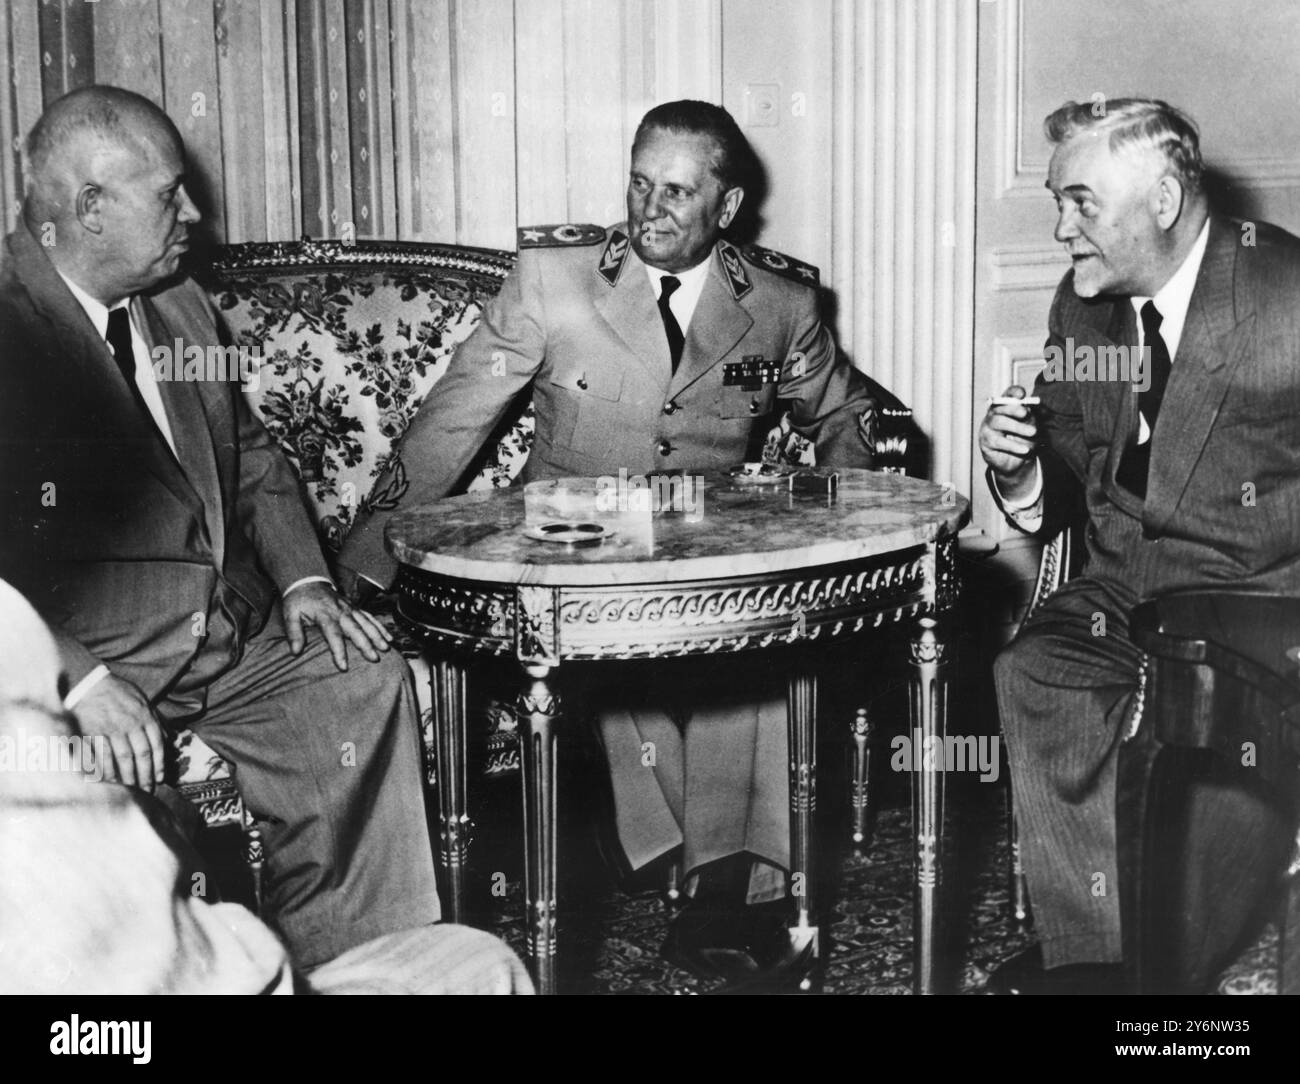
(1217, 673)
(1245, 636)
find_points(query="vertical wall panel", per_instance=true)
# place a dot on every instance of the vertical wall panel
(903, 209)
(10, 138)
(338, 120)
(638, 75)
(193, 101)
(370, 130)
(314, 177)
(433, 76)
(383, 220)
(540, 92)
(405, 161)
(128, 43)
(280, 133)
(67, 46)
(239, 75)
(592, 110)
(484, 73)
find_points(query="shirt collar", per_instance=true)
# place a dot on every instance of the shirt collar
(95, 309)
(1175, 297)
(692, 279)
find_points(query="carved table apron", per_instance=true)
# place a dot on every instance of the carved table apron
(752, 567)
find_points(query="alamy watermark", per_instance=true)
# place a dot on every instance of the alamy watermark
(947, 753)
(1085, 363)
(224, 364)
(683, 493)
(40, 752)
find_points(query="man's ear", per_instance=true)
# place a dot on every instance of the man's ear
(90, 207)
(1167, 200)
(730, 205)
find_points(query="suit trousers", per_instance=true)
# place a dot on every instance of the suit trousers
(330, 760)
(698, 756)
(1066, 688)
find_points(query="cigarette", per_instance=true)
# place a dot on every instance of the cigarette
(1011, 400)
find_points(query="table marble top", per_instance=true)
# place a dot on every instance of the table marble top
(727, 527)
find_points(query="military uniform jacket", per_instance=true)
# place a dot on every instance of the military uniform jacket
(580, 321)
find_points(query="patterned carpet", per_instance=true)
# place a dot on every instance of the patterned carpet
(610, 940)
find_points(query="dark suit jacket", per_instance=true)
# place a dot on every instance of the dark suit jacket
(580, 321)
(1223, 492)
(160, 569)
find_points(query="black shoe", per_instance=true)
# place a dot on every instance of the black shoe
(786, 973)
(710, 943)
(717, 935)
(1025, 974)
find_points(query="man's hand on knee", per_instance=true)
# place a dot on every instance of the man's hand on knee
(317, 603)
(117, 711)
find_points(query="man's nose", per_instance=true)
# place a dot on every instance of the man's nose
(1066, 226)
(653, 204)
(189, 213)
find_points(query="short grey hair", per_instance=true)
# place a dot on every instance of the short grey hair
(1135, 124)
(110, 114)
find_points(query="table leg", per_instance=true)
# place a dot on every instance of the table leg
(801, 718)
(454, 826)
(538, 713)
(929, 702)
(862, 741)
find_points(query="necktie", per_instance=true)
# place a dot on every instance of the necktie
(119, 341)
(676, 340)
(1132, 473)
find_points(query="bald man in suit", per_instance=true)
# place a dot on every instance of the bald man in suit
(161, 534)
(627, 335)
(1159, 458)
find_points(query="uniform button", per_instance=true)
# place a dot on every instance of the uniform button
(670, 408)
(665, 447)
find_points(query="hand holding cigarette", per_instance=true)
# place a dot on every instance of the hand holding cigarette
(1008, 439)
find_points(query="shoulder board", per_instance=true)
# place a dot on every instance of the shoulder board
(785, 266)
(566, 236)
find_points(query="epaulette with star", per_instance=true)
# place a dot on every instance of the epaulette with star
(569, 235)
(780, 264)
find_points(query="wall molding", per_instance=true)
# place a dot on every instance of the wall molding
(1017, 268)
(1017, 359)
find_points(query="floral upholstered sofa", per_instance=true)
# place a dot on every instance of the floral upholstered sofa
(350, 339)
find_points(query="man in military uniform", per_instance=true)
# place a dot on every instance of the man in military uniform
(628, 336)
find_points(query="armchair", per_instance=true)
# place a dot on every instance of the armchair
(1206, 798)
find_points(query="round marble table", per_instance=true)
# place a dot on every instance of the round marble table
(739, 567)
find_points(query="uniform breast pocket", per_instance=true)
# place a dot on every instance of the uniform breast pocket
(737, 402)
(586, 407)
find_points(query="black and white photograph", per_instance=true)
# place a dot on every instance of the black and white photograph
(787, 498)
